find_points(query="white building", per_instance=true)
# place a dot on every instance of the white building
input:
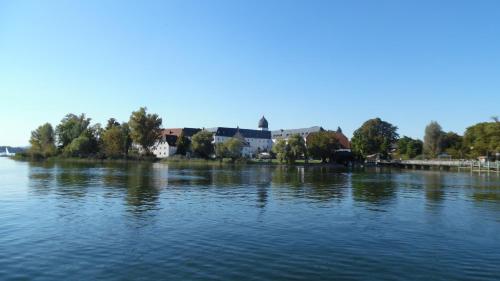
(256, 141)
(167, 145)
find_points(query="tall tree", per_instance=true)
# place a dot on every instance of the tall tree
(374, 136)
(297, 148)
(70, 128)
(145, 128)
(322, 145)
(116, 140)
(43, 141)
(201, 144)
(432, 139)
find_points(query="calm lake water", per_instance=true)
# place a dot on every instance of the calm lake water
(164, 222)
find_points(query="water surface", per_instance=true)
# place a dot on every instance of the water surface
(159, 222)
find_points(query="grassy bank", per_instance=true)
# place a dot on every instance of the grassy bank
(173, 160)
(21, 157)
(227, 161)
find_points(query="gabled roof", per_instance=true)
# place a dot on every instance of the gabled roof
(188, 132)
(247, 133)
(170, 139)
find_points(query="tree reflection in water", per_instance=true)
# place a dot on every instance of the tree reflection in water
(141, 184)
(373, 188)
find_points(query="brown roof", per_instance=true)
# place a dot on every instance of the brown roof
(171, 131)
(188, 132)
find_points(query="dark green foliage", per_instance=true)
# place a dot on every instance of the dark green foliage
(322, 145)
(116, 140)
(43, 141)
(483, 139)
(76, 138)
(201, 144)
(85, 145)
(70, 128)
(145, 128)
(183, 144)
(112, 123)
(409, 148)
(374, 136)
(452, 144)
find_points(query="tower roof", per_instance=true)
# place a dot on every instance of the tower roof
(263, 123)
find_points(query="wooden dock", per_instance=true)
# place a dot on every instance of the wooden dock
(461, 165)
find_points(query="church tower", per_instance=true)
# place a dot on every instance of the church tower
(263, 125)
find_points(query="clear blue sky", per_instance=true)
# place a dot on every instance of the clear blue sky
(226, 63)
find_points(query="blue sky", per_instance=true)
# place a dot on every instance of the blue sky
(227, 63)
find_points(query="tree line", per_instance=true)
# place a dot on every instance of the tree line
(376, 136)
(74, 136)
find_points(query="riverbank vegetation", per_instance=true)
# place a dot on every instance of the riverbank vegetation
(75, 137)
(378, 137)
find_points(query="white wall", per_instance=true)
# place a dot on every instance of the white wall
(254, 144)
(163, 150)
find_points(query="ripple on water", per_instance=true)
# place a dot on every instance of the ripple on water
(157, 222)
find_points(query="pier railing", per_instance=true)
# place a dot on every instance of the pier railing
(473, 165)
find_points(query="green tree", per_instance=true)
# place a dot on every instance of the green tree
(112, 123)
(281, 149)
(116, 139)
(482, 139)
(183, 144)
(452, 144)
(297, 147)
(145, 128)
(201, 144)
(70, 128)
(128, 138)
(409, 148)
(322, 145)
(43, 141)
(87, 144)
(234, 147)
(374, 136)
(220, 151)
(433, 139)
